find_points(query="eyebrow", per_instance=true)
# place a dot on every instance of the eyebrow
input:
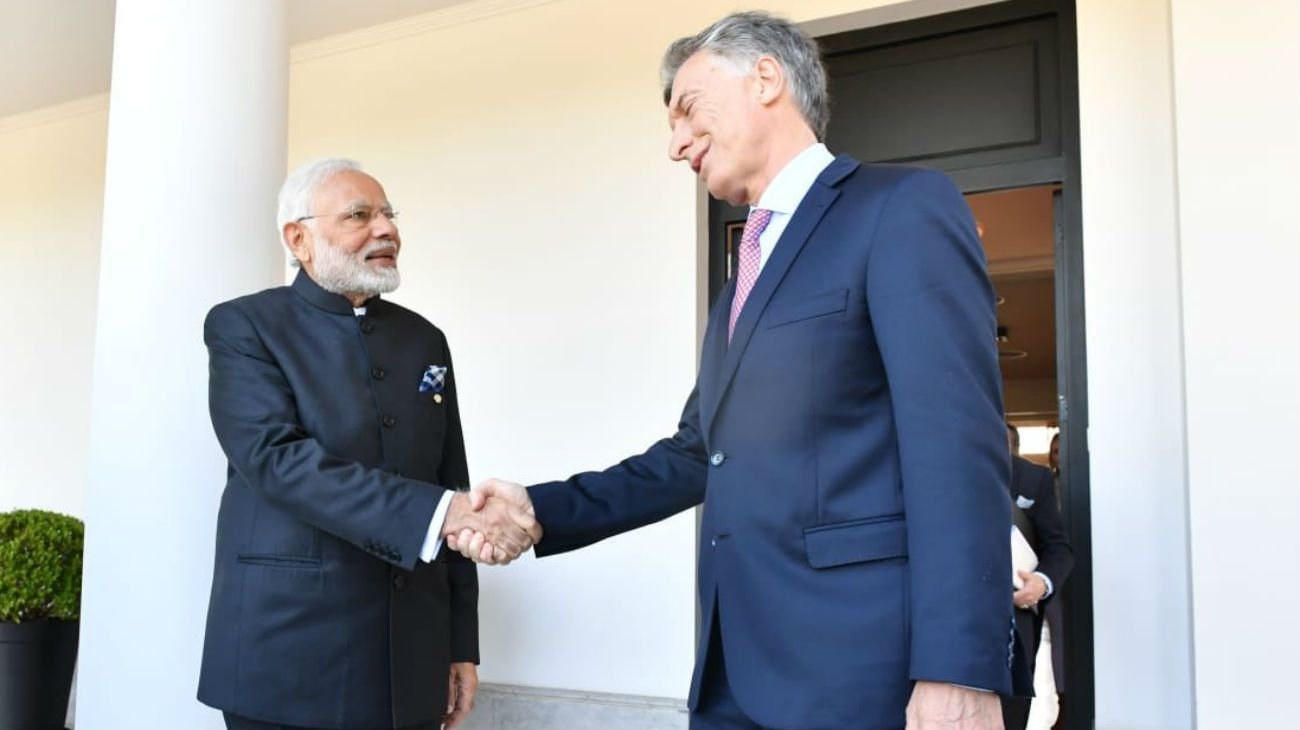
(680, 106)
(360, 204)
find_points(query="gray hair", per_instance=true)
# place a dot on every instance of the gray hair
(742, 39)
(300, 187)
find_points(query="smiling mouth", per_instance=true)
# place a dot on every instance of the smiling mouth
(697, 162)
(382, 256)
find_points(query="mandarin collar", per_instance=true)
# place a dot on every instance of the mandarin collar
(307, 288)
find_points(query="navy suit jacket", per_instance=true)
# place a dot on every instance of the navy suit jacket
(321, 614)
(849, 449)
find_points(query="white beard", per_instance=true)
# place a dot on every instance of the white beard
(340, 272)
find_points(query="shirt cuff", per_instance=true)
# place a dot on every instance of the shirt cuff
(433, 540)
(1046, 580)
(976, 689)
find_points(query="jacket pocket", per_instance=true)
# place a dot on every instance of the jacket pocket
(268, 560)
(817, 305)
(856, 541)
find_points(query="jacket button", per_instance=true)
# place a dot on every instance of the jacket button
(717, 458)
(389, 421)
(714, 542)
(367, 328)
(399, 581)
(378, 373)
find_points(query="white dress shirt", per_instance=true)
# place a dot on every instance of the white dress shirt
(432, 539)
(786, 191)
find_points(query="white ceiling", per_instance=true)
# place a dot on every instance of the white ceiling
(52, 51)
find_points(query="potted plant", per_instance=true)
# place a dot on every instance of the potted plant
(40, 603)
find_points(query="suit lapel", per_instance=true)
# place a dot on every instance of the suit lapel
(713, 351)
(805, 219)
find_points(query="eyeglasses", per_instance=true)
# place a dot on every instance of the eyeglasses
(354, 219)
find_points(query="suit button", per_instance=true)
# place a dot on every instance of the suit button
(717, 458)
(714, 542)
(389, 421)
(378, 373)
(399, 581)
(367, 328)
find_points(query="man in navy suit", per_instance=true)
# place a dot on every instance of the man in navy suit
(845, 433)
(331, 604)
(1037, 513)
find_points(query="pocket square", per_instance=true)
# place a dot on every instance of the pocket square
(1024, 502)
(433, 379)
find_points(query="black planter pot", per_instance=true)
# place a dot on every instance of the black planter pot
(36, 664)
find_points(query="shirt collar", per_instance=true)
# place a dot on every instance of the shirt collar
(793, 182)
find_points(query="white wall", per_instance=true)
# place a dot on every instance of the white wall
(51, 198)
(1237, 97)
(1135, 367)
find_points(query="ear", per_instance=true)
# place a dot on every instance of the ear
(295, 238)
(770, 78)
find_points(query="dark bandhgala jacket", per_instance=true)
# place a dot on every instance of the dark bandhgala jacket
(322, 614)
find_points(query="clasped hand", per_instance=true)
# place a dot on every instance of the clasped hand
(492, 523)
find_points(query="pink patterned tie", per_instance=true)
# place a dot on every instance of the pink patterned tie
(747, 268)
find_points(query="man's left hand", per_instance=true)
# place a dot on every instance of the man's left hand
(939, 706)
(1033, 590)
(462, 686)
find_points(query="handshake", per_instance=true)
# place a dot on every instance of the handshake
(491, 524)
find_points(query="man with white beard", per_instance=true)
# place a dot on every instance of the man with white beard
(333, 605)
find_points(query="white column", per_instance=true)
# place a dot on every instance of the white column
(196, 150)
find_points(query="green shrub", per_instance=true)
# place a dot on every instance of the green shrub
(40, 566)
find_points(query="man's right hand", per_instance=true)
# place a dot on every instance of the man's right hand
(492, 524)
(495, 496)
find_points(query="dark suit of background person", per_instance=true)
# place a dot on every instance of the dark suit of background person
(1056, 609)
(847, 446)
(321, 615)
(1033, 490)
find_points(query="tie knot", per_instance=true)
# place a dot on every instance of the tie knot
(755, 224)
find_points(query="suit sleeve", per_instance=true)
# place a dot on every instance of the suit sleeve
(462, 575)
(668, 478)
(1055, 556)
(931, 306)
(256, 422)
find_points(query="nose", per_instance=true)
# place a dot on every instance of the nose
(381, 226)
(679, 142)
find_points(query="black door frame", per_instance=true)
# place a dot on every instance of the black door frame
(1072, 384)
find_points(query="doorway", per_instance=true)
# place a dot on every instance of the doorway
(1017, 230)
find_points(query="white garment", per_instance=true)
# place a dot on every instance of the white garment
(1046, 706)
(1023, 557)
